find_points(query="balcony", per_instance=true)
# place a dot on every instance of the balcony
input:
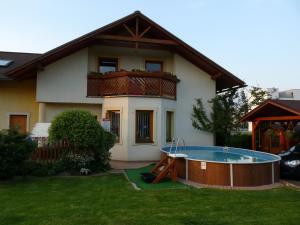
(135, 83)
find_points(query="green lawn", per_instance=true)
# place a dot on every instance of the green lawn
(110, 199)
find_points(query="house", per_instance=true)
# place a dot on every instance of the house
(273, 123)
(18, 104)
(138, 79)
(291, 94)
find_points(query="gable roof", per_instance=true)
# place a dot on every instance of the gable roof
(125, 32)
(274, 107)
(17, 58)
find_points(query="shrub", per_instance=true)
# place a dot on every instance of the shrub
(109, 140)
(42, 169)
(15, 149)
(79, 128)
(241, 140)
(75, 161)
(84, 134)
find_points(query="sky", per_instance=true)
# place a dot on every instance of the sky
(257, 40)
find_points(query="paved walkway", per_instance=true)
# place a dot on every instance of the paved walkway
(121, 165)
(293, 183)
(258, 188)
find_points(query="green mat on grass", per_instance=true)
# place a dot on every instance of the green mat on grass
(134, 176)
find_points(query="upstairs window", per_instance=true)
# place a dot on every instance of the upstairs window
(154, 66)
(108, 65)
(144, 126)
(5, 62)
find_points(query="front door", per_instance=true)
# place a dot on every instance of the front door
(18, 122)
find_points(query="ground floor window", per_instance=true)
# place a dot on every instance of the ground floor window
(144, 126)
(169, 126)
(114, 117)
(18, 122)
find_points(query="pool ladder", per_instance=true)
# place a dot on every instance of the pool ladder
(177, 141)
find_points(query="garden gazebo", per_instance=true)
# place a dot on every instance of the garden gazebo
(274, 124)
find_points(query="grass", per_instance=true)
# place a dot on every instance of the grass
(110, 199)
(135, 177)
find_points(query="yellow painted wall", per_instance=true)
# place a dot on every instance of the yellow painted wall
(18, 97)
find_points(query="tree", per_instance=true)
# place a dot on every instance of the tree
(227, 109)
(258, 95)
(223, 117)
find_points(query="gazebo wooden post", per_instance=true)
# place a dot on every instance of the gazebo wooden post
(254, 127)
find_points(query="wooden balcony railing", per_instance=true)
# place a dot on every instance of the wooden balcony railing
(125, 83)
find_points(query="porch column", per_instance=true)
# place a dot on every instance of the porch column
(42, 112)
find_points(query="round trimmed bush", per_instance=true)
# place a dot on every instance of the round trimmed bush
(78, 128)
(83, 133)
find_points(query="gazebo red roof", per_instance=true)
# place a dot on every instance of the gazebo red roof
(274, 108)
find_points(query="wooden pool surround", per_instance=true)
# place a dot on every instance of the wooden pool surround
(227, 174)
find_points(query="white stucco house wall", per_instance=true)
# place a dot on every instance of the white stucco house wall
(135, 76)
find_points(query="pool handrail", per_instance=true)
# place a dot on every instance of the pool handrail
(183, 142)
(173, 141)
(177, 141)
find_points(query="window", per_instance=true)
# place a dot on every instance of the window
(154, 66)
(108, 65)
(5, 62)
(114, 117)
(144, 126)
(245, 125)
(169, 126)
(18, 122)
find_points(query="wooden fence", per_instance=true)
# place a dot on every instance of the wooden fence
(48, 154)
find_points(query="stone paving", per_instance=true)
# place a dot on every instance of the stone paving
(121, 165)
(291, 183)
(258, 188)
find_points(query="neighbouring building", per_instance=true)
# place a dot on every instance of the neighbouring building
(131, 74)
(292, 94)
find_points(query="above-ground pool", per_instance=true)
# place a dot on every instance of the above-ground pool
(224, 166)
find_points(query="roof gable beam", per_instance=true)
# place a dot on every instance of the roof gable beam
(129, 30)
(133, 28)
(145, 31)
(136, 39)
